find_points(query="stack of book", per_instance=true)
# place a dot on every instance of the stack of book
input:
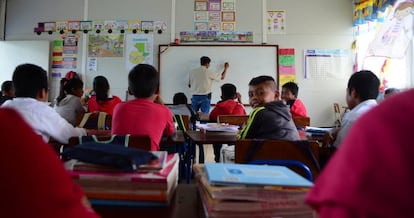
(242, 190)
(152, 184)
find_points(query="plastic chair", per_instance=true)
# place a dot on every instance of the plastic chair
(287, 163)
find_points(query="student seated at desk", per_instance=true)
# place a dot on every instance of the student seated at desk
(371, 174)
(101, 100)
(31, 87)
(270, 118)
(230, 104)
(361, 94)
(146, 114)
(290, 96)
(34, 182)
(68, 103)
(181, 107)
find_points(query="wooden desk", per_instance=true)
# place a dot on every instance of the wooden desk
(208, 137)
(186, 203)
(201, 138)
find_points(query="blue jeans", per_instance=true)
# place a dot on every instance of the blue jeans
(201, 102)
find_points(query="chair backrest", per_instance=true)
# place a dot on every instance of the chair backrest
(183, 122)
(233, 119)
(301, 121)
(96, 120)
(337, 113)
(306, 152)
(133, 141)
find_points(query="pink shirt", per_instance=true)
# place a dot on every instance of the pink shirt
(143, 117)
(371, 174)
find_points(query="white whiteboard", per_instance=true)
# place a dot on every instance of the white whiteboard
(13, 53)
(246, 62)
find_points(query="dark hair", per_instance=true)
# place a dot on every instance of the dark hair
(292, 87)
(365, 83)
(180, 98)
(387, 91)
(228, 91)
(263, 79)
(143, 80)
(67, 87)
(205, 60)
(101, 87)
(29, 80)
(6, 86)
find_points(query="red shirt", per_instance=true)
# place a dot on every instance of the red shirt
(143, 117)
(34, 182)
(227, 107)
(103, 106)
(298, 109)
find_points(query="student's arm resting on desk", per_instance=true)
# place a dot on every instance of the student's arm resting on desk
(52, 124)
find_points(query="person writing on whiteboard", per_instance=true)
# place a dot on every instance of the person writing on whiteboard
(200, 82)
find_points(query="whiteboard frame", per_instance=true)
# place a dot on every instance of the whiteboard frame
(164, 49)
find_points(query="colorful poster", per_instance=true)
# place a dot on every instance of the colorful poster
(106, 45)
(287, 70)
(276, 22)
(139, 49)
(394, 36)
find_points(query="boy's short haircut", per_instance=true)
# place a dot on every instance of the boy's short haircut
(29, 80)
(365, 83)
(143, 80)
(6, 86)
(263, 79)
(293, 87)
(228, 91)
(179, 98)
(205, 60)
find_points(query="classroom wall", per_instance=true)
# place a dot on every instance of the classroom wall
(320, 24)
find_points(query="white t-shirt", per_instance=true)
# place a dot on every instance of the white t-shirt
(201, 80)
(44, 119)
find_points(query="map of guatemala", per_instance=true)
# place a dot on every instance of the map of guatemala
(139, 50)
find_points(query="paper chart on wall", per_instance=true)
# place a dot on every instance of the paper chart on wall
(139, 50)
(327, 63)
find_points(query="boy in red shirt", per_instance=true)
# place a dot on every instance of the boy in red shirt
(290, 96)
(146, 114)
(229, 105)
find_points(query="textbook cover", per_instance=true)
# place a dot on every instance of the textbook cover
(249, 174)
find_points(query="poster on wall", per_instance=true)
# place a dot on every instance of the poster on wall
(276, 22)
(139, 50)
(321, 64)
(394, 36)
(106, 45)
(287, 70)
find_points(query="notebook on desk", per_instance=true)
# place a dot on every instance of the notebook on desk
(249, 174)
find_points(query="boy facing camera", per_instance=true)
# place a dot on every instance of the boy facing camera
(146, 114)
(270, 118)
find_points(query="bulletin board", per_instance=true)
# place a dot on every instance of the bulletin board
(246, 62)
